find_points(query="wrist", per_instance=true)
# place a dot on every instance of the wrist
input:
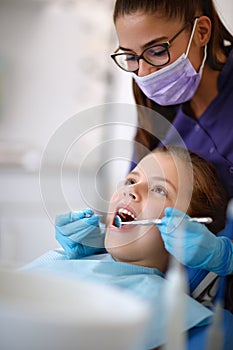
(221, 259)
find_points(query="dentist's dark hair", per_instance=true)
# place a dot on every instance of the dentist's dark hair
(185, 11)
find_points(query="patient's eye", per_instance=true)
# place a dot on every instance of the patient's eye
(130, 181)
(160, 190)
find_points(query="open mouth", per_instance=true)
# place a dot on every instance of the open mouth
(125, 215)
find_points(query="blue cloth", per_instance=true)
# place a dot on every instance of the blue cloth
(197, 336)
(211, 135)
(146, 283)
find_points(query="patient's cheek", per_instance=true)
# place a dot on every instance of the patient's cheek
(114, 199)
(108, 221)
(155, 209)
(160, 210)
(112, 208)
(115, 196)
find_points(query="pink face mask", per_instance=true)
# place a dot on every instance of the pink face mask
(174, 84)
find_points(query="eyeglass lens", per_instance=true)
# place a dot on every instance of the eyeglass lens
(157, 56)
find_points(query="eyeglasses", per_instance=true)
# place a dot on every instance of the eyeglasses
(156, 55)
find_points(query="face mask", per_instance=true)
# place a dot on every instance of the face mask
(174, 84)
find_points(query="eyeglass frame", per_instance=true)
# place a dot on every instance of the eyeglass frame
(166, 45)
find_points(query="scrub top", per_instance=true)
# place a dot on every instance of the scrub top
(211, 136)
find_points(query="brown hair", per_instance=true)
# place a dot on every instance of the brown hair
(208, 198)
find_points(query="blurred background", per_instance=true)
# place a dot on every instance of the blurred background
(55, 64)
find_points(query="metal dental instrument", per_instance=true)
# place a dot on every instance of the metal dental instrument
(119, 222)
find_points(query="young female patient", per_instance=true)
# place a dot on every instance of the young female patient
(168, 177)
(135, 257)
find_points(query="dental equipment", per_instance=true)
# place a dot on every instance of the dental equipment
(118, 222)
(215, 335)
(175, 307)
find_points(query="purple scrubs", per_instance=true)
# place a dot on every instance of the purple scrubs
(211, 136)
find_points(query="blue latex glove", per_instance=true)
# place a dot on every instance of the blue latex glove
(200, 248)
(79, 233)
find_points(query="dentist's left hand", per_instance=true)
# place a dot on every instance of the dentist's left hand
(200, 248)
(79, 233)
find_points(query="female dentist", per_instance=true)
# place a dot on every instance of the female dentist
(180, 54)
(181, 59)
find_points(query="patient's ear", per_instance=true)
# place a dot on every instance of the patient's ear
(203, 31)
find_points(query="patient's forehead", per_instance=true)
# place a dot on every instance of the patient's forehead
(167, 166)
(160, 164)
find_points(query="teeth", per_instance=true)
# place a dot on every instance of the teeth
(127, 212)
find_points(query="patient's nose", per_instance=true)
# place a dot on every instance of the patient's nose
(131, 195)
(136, 191)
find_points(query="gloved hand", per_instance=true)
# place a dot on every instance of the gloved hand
(200, 248)
(79, 233)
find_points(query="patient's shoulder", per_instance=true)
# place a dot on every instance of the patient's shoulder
(45, 259)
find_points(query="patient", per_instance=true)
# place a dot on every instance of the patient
(168, 177)
(135, 258)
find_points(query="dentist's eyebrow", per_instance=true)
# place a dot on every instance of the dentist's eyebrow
(150, 43)
(164, 180)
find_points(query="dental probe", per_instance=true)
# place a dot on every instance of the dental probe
(118, 222)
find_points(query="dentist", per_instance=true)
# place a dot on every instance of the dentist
(180, 57)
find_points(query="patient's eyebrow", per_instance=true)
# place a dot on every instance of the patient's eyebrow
(135, 173)
(164, 180)
(150, 43)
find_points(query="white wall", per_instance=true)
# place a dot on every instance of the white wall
(53, 63)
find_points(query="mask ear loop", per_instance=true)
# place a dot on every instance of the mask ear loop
(204, 59)
(189, 44)
(191, 38)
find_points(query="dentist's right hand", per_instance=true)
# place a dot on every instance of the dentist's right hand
(79, 233)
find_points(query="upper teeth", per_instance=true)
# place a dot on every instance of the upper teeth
(127, 212)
